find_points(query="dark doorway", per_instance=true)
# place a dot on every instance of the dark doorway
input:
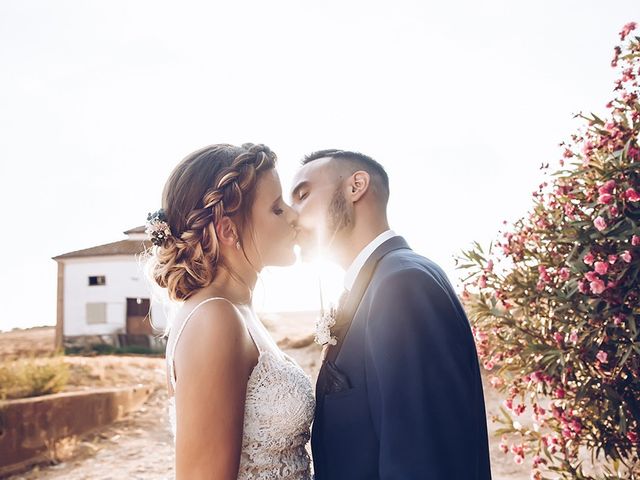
(139, 316)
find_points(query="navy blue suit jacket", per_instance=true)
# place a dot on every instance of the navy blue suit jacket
(400, 396)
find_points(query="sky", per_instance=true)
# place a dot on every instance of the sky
(461, 101)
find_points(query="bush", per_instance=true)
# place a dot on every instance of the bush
(106, 349)
(32, 377)
(555, 302)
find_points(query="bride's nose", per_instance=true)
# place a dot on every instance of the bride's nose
(292, 217)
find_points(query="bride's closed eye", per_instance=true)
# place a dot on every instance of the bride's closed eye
(277, 207)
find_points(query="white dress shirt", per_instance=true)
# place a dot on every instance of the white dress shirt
(357, 264)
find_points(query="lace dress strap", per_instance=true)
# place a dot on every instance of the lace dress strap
(170, 358)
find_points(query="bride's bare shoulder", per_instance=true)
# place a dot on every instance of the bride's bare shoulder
(215, 331)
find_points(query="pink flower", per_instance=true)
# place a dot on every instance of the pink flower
(496, 382)
(631, 195)
(544, 275)
(607, 187)
(564, 274)
(588, 258)
(627, 29)
(481, 336)
(618, 319)
(597, 286)
(635, 240)
(632, 436)
(626, 256)
(612, 259)
(573, 337)
(576, 426)
(489, 267)
(582, 286)
(601, 267)
(605, 198)
(613, 211)
(600, 223)
(504, 447)
(488, 365)
(558, 337)
(591, 276)
(602, 356)
(518, 459)
(482, 283)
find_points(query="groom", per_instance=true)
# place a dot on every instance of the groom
(399, 396)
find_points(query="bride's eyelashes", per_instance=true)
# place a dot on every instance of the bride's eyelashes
(277, 207)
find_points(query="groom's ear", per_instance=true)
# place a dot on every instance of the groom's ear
(227, 232)
(358, 184)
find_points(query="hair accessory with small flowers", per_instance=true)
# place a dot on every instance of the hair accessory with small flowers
(157, 227)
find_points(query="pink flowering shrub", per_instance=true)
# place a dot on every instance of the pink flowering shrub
(555, 305)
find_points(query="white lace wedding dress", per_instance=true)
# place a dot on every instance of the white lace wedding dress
(278, 410)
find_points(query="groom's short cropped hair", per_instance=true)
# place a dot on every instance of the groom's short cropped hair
(357, 161)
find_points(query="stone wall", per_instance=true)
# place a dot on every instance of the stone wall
(30, 427)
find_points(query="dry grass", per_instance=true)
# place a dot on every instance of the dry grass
(31, 342)
(31, 377)
(34, 346)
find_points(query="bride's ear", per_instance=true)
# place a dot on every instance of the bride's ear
(227, 232)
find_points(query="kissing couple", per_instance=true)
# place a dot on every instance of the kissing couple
(399, 394)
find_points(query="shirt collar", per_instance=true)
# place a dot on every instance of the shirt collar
(357, 264)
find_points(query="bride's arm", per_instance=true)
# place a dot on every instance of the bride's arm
(213, 361)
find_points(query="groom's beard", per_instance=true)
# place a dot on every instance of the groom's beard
(340, 216)
(319, 243)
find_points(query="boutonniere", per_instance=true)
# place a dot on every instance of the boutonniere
(323, 328)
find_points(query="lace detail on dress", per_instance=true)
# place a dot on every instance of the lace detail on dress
(277, 416)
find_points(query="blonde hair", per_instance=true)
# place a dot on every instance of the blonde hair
(213, 182)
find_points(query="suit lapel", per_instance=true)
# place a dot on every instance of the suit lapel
(343, 322)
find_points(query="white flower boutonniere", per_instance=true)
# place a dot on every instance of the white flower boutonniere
(323, 328)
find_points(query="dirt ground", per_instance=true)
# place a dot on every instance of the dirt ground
(140, 446)
(26, 343)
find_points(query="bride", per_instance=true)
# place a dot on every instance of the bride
(240, 407)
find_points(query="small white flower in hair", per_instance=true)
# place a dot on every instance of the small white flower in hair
(157, 227)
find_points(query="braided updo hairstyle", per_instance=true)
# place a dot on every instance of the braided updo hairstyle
(216, 181)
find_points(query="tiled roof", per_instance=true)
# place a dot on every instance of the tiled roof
(123, 247)
(140, 229)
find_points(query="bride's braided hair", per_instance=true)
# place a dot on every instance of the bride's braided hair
(213, 182)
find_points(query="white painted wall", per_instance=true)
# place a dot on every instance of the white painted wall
(124, 279)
